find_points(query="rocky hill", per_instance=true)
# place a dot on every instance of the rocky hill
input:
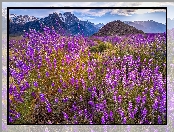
(117, 28)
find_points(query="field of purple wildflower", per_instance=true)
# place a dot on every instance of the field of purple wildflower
(56, 79)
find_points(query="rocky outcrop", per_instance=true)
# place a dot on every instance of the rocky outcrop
(117, 28)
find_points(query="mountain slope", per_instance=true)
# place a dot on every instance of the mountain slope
(67, 22)
(148, 26)
(117, 28)
(100, 25)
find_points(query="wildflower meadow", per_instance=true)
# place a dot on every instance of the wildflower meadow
(56, 79)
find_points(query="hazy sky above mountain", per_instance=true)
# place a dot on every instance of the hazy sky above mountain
(100, 15)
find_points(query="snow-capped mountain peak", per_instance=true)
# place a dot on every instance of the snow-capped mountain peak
(21, 18)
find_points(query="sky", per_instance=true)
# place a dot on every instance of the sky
(100, 16)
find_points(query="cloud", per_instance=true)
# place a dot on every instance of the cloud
(143, 11)
(129, 12)
(89, 12)
(98, 13)
(85, 18)
(158, 10)
(125, 12)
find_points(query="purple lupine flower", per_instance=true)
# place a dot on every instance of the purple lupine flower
(64, 85)
(90, 122)
(74, 107)
(131, 115)
(97, 106)
(146, 90)
(119, 98)
(93, 94)
(91, 103)
(48, 108)
(111, 115)
(103, 120)
(76, 122)
(162, 107)
(27, 85)
(77, 67)
(81, 98)
(80, 112)
(62, 70)
(60, 90)
(152, 93)
(144, 112)
(155, 105)
(83, 83)
(159, 120)
(115, 93)
(33, 94)
(47, 102)
(115, 98)
(18, 97)
(72, 81)
(75, 117)
(65, 99)
(144, 99)
(89, 70)
(143, 93)
(61, 79)
(106, 115)
(94, 88)
(124, 120)
(35, 84)
(11, 119)
(130, 106)
(42, 97)
(47, 74)
(65, 115)
(83, 65)
(121, 112)
(11, 89)
(52, 84)
(63, 62)
(135, 110)
(56, 100)
(104, 102)
(18, 115)
(85, 113)
(138, 99)
(76, 82)
(89, 90)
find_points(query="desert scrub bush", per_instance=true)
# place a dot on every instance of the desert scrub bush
(101, 47)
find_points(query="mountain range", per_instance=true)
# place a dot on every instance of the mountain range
(67, 22)
(149, 26)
